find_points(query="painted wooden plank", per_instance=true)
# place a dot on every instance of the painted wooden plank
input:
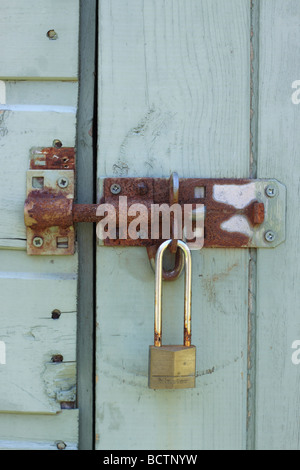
(278, 326)
(28, 52)
(29, 381)
(25, 125)
(35, 109)
(45, 431)
(173, 96)
(46, 93)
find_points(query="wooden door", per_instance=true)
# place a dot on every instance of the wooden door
(204, 88)
(38, 306)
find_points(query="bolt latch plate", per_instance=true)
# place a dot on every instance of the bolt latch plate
(48, 207)
(239, 213)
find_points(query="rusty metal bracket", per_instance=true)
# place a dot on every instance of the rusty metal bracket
(48, 206)
(239, 213)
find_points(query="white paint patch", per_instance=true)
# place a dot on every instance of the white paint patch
(199, 192)
(238, 196)
(38, 276)
(2, 353)
(2, 92)
(38, 108)
(237, 223)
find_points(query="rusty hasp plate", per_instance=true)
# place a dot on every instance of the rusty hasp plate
(236, 213)
(48, 206)
(239, 213)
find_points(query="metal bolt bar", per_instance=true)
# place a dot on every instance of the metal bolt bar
(85, 213)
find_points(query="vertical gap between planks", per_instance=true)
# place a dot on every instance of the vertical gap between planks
(86, 177)
(95, 189)
(252, 274)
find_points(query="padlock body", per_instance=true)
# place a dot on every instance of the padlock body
(172, 367)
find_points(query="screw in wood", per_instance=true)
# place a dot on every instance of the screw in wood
(61, 445)
(57, 143)
(57, 358)
(51, 34)
(55, 314)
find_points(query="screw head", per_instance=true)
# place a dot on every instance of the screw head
(57, 358)
(270, 236)
(57, 143)
(38, 242)
(271, 190)
(55, 314)
(115, 188)
(63, 182)
(61, 445)
(51, 34)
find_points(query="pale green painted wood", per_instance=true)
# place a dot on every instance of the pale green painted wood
(31, 288)
(19, 132)
(34, 114)
(173, 96)
(27, 51)
(41, 93)
(39, 432)
(278, 324)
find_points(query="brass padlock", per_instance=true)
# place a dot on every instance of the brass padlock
(172, 367)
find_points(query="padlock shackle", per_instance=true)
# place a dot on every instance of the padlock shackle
(158, 292)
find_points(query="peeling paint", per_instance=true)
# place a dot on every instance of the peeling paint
(60, 382)
(238, 196)
(237, 223)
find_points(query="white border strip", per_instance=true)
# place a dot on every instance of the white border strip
(38, 276)
(39, 108)
(2, 92)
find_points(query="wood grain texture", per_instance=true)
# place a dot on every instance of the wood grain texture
(29, 381)
(33, 112)
(27, 52)
(41, 93)
(277, 378)
(21, 130)
(173, 96)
